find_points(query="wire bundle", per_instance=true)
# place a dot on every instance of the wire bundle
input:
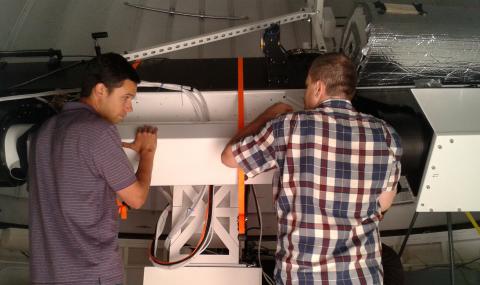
(194, 95)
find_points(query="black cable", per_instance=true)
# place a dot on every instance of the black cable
(256, 205)
(246, 197)
(33, 53)
(250, 188)
(467, 263)
(252, 228)
(79, 55)
(45, 75)
(257, 208)
(264, 274)
(457, 266)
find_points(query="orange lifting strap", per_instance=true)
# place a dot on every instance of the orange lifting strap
(240, 174)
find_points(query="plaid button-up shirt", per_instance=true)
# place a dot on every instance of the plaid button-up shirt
(332, 163)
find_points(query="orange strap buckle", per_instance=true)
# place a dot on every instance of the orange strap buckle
(122, 209)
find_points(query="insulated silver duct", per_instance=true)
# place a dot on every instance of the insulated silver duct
(439, 47)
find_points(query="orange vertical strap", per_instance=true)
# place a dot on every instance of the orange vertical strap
(136, 63)
(240, 174)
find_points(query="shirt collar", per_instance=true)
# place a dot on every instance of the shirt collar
(72, 106)
(336, 103)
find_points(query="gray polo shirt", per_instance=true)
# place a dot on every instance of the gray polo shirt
(76, 165)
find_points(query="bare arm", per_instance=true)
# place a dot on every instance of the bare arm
(386, 200)
(270, 113)
(145, 144)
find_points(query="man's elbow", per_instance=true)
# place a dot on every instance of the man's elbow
(227, 157)
(386, 200)
(136, 203)
(135, 195)
(385, 206)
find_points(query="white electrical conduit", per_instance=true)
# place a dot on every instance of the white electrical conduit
(163, 216)
(211, 232)
(190, 210)
(208, 238)
(160, 225)
(195, 96)
(201, 101)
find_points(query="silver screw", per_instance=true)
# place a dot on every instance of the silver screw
(439, 146)
(451, 140)
(433, 167)
(428, 186)
(422, 204)
(459, 209)
(431, 210)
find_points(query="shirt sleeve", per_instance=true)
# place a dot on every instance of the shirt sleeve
(396, 151)
(111, 161)
(256, 153)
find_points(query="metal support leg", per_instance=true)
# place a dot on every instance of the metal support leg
(405, 239)
(450, 249)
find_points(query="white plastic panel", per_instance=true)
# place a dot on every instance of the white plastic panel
(222, 105)
(189, 154)
(188, 151)
(450, 110)
(450, 183)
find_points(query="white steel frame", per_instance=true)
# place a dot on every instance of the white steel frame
(226, 236)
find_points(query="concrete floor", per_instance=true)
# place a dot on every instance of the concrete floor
(441, 276)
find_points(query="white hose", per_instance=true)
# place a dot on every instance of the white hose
(194, 95)
(163, 217)
(208, 239)
(178, 227)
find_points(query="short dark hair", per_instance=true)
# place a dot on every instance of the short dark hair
(110, 69)
(338, 73)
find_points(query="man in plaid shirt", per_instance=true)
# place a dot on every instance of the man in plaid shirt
(336, 171)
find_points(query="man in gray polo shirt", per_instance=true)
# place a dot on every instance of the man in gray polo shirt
(77, 169)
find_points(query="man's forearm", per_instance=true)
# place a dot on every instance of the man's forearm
(227, 156)
(144, 172)
(145, 144)
(252, 128)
